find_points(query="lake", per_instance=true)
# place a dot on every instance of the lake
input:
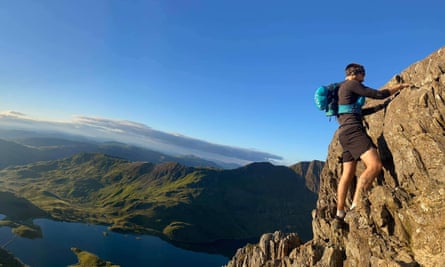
(54, 249)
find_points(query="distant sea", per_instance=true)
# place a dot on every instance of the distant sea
(54, 249)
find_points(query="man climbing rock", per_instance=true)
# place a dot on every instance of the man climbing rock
(356, 144)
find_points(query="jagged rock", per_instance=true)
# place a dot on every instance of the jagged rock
(402, 219)
(272, 250)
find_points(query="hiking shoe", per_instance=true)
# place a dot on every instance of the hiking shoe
(339, 224)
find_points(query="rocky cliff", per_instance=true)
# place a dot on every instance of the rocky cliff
(403, 219)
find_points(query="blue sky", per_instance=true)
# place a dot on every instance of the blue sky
(237, 73)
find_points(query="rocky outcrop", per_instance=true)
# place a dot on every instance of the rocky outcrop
(402, 219)
(272, 250)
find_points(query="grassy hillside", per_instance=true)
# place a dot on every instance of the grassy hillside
(86, 258)
(179, 203)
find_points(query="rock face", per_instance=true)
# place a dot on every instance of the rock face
(402, 222)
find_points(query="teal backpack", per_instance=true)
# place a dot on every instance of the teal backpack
(326, 99)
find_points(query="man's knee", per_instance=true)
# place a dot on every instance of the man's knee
(372, 161)
(375, 167)
(378, 166)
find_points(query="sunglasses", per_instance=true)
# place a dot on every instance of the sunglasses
(359, 71)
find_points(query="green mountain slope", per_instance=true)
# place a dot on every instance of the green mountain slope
(311, 171)
(178, 203)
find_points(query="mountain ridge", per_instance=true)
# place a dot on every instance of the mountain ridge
(32, 149)
(311, 171)
(136, 134)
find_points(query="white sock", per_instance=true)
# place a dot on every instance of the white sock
(341, 213)
(352, 206)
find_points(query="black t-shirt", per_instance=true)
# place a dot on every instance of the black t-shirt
(349, 92)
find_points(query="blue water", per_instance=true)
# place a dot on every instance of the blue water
(53, 249)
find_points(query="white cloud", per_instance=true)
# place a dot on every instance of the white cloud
(12, 114)
(138, 134)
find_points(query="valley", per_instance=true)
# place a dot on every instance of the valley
(190, 202)
(175, 202)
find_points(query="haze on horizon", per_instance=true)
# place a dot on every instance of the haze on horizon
(138, 134)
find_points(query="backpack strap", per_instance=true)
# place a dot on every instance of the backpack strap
(352, 108)
(349, 108)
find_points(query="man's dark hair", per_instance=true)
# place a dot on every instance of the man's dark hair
(354, 69)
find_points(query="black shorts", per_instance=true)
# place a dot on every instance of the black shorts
(355, 141)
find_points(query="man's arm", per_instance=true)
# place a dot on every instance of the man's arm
(371, 110)
(379, 94)
(392, 90)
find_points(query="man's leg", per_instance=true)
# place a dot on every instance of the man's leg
(373, 165)
(343, 186)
